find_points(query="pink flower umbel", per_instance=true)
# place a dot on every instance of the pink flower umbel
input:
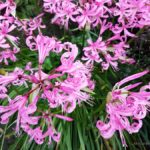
(125, 109)
(92, 53)
(8, 41)
(99, 52)
(64, 87)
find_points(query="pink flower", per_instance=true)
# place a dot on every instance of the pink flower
(130, 78)
(99, 52)
(133, 11)
(92, 13)
(14, 106)
(7, 26)
(10, 7)
(52, 135)
(29, 26)
(64, 87)
(105, 26)
(50, 5)
(3, 92)
(8, 54)
(86, 14)
(67, 59)
(69, 106)
(123, 104)
(146, 87)
(36, 23)
(92, 52)
(28, 67)
(15, 78)
(119, 28)
(5, 29)
(29, 110)
(64, 13)
(44, 45)
(110, 61)
(37, 135)
(106, 130)
(82, 2)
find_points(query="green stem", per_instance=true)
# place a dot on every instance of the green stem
(13, 43)
(24, 144)
(2, 144)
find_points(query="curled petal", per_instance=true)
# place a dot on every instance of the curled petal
(69, 106)
(140, 112)
(135, 127)
(106, 130)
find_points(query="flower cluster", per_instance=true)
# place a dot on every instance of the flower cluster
(8, 42)
(129, 13)
(125, 109)
(31, 25)
(84, 13)
(64, 87)
(70, 82)
(88, 14)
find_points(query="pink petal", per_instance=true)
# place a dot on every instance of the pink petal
(63, 117)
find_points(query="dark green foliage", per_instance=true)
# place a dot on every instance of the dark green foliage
(140, 49)
(28, 8)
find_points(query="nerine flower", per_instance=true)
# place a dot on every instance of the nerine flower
(88, 14)
(133, 11)
(5, 29)
(50, 5)
(8, 42)
(65, 11)
(14, 106)
(31, 25)
(125, 109)
(99, 52)
(8, 54)
(64, 87)
(122, 27)
(9, 6)
(69, 84)
(44, 45)
(92, 52)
